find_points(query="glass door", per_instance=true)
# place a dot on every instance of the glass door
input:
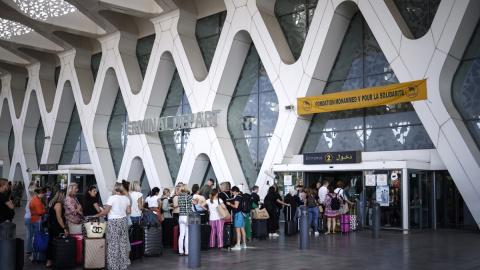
(415, 200)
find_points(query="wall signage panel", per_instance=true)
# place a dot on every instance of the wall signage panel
(362, 98)
(48, 167)
(176, 122)
(344, 157)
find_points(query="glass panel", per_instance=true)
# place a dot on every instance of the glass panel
(242, 117)
(289, 6)
(247, 153)
(11, 145)
(57, 75)
(374, 60)
(391, 115)
(145, 185)
(379, 80)
(95, 64)
(173, 160)
(210, 173)
(174, 96)
(294, 26)
(115, 138)
(247, 83)
(398, 138)
(473, 50)
(84, 157)
(39, 141)
(207, 32)
(268, 113)
(418, 15)
(143, 51)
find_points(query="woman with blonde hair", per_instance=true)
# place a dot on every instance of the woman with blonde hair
(176, 208)
(56, 222)
(166, 206)
(137, 202)
(117, 209)
(185, 201)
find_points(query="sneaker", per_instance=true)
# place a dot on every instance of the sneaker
(275, 234)
(243, 245)
(317, 233)
(237, 247)
(128, 262)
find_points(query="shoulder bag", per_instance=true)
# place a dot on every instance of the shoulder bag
(222, 212)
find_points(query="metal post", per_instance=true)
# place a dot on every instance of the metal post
(194, 238)
(376, 221)
(304, 229)
(7, 245)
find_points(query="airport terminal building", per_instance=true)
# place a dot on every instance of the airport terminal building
(246, 91)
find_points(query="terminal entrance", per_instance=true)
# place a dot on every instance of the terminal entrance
(420, 202)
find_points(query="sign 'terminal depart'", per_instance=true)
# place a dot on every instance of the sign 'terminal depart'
(184, 121)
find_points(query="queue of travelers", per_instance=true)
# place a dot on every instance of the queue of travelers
(126, 204)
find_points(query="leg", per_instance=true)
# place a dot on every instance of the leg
(315, 218)
(239, 235)
(186, 236)
(310, 217)
(220, 233)
(113, 247)
(213, 225)
(28, 244)
(328, 225)
(244, 235)
(123, 243)
(182, 222)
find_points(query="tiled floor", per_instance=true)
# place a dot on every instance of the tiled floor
(427, 250)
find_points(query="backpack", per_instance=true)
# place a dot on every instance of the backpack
(269, 205)
(246, 203)
(311, 202)
(335, 205)
(150, 218)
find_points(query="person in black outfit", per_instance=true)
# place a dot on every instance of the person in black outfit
(7, 211)
(90, 201)
(56, 222)
(271, 202)
(294, 201)
(255, 197)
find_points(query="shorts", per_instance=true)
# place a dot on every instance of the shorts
(239, 220)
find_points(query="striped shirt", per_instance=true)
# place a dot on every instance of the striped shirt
(185, 204)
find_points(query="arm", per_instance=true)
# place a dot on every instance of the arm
(105, 211)
(204, 206)
(160, 203)
(140, 204)
(280, 202)
(129, 210)
(58, 213)
(10, 204)
(97, 207)
(39, 208)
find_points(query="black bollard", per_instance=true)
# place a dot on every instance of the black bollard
(7, 246)
(376, 221)
(304, 229)
(194, 238)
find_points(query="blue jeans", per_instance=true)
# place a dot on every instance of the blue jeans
(313, 214)
(30, 232)
(36, 226)
(135, 219)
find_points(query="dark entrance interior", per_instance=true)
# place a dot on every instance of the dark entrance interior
(352, 178)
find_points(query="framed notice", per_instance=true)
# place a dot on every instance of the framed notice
(370, 180)
(383, 195)
(287, 180)
(382, 180)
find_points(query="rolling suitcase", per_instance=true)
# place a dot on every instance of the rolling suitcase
(259, 228)
(206, 230)
(345, 224)
(153, 241)
(79, 239)
(321, 225)
(229, 235)
(167, 229)
(136, 237)
(290, 229)
(19, 253)
(176, 234)
(64, 252)
(95, 250)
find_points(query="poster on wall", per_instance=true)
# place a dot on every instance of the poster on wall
(382, 180)
(370, 180)
(287, 180)
(383, 195)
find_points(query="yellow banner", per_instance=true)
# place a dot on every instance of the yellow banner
(362, 98)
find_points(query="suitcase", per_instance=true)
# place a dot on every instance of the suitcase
(167, 229)
(229, 235)
(290, 228)
(153, 241)
(176, 235)
(321, 225)
(206, 230)
(79, 238)
(95, 251)
(259, 228)
(39, 253)
(19, 253)
(345, 224)
(64, 252)
(136, 237)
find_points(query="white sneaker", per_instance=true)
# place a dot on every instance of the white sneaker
(275, 234)
(128, 262)
(317, 233)
(237, 247)
(243, 245)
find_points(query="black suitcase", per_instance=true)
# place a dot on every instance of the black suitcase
(153, 241)
(321, 225)
(259, 228)
(168, 225)
(19, 253)
(290, 228)
(229, 235)
(206, 230)
(136, 237)
(64, 252)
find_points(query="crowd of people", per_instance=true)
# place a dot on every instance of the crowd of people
(126, 204)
